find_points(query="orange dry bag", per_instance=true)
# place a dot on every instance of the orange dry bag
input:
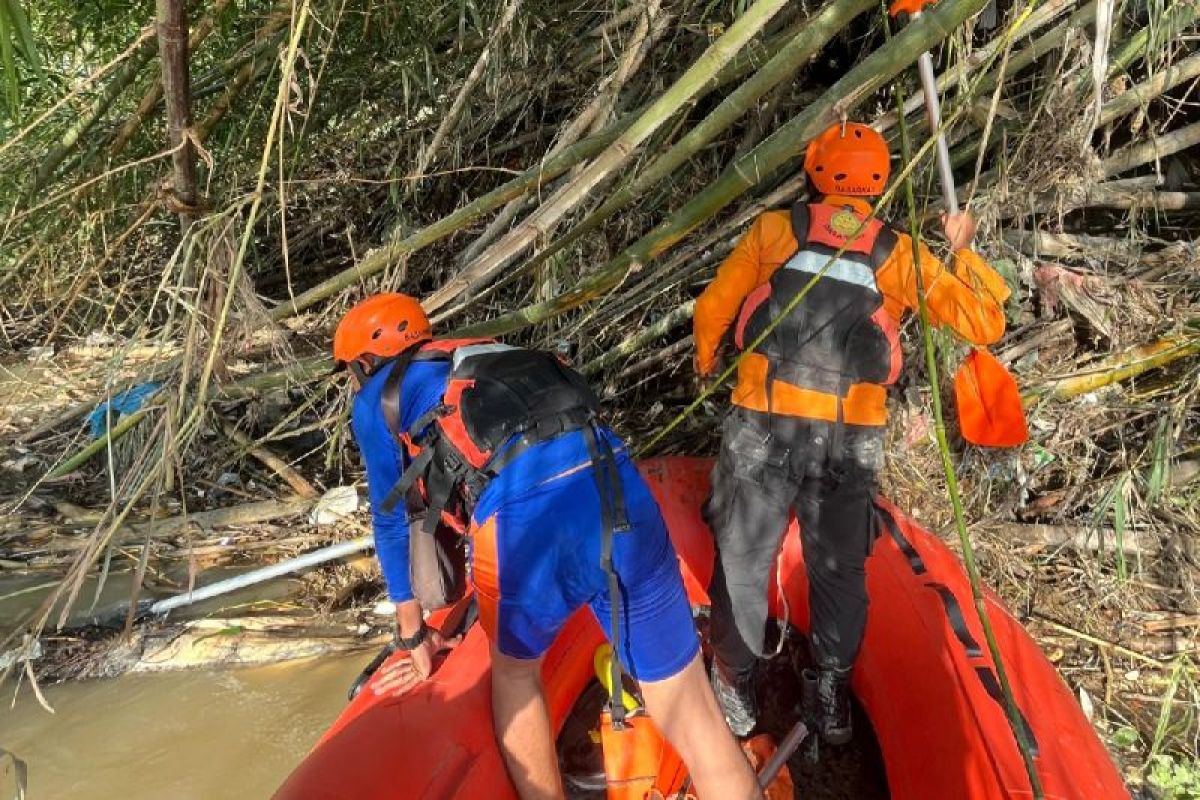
(990, 412)
(639, 764)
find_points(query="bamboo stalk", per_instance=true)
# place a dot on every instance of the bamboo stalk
(172, 29)
(73, 137)
(390, 254)
(1154, 149)
(692, 83)
(598, 109)
(273, 462)
(123, 426)
(1076, 537)
(221, 107)
(1117, 368)
(450, 120)
(782, 147)
(1015, 721)
(1177, 16)
(1163, 81)
(1043, 16)
(631, 344)
(813, 34)
(153, 95)
(1051, 40)
(674, 351)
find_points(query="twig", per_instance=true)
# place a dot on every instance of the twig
(1096, 640)
(276, 464)
(446, 126)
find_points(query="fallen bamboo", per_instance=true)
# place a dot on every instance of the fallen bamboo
(252, 513)
(1045, 14)
(1138, 96)
(634, 343)
(691, 84)
(273, 462)
(1075, 537)
(1116, 368)
(781, 148)
(1176, 17)
(124, 425)
(1105, 195)
(1040, 244)
(676, 352)
(812, 35)
(390, 254)
(1154, 149)
(645, 35)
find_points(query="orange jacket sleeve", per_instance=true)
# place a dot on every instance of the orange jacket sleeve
(969, 300)
(718, 306)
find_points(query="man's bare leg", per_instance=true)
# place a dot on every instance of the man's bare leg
(522, 725)
(684, 709)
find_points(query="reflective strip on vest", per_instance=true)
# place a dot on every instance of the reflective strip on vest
(841, 269)
(463, 353)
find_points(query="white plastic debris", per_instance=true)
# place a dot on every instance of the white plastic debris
(338, 502)
(384, 608)
(1085, 703)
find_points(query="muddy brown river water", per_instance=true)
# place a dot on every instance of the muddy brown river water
(194, 735)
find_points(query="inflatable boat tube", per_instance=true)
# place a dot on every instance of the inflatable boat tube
(924, 678)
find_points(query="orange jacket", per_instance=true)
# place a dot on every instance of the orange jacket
(969, 300)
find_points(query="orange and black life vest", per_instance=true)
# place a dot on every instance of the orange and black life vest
(499, 401)
(838, 334)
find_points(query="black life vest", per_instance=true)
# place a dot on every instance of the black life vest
(499, 401)
(839, 334)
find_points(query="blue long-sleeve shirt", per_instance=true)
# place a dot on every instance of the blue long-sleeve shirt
(422, 389)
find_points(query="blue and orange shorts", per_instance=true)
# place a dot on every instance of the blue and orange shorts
(535, 559)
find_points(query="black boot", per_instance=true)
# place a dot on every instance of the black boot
(833, 699)
(735, 694)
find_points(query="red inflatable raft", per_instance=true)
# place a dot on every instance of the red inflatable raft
(924, 678)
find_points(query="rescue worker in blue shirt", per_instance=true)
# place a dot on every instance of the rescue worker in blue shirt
(557, 490)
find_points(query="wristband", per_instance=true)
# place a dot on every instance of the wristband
(414, 641)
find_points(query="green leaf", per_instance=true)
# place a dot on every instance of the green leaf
(1125, 737)
(1160, 469)
(8, 59)
(25, 39)
(1120, 514)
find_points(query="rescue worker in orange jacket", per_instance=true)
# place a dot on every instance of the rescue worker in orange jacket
(806, 429)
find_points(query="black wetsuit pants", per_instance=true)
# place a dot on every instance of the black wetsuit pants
(768, 466)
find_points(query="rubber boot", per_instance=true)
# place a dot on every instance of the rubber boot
(833, 699)
(735, 694)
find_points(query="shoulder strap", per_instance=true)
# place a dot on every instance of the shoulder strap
(801, 222)
(390, 396)
(885, 244)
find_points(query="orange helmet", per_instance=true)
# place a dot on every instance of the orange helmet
(850, 159)
(383, 325)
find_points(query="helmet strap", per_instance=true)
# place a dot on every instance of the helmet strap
(356, 367)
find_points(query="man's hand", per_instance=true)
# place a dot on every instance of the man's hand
(960, 230)
(399, 676)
